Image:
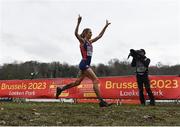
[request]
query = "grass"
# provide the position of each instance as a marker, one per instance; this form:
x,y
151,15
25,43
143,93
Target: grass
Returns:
x,y
66,114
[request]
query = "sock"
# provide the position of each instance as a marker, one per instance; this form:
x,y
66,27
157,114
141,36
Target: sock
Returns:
x,y
100,99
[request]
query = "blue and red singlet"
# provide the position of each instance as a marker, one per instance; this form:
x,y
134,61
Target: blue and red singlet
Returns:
x,y
86,52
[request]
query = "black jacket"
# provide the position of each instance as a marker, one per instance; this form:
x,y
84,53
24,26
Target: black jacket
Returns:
x,y
141,64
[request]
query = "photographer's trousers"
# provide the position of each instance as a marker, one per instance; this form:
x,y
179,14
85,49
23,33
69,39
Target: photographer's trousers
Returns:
x,y
143,80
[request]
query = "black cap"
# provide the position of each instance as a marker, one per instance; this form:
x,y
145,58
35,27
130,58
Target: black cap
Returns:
x,y
143,51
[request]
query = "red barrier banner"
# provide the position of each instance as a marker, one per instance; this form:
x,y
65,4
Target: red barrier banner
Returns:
x,y
27,88
163,87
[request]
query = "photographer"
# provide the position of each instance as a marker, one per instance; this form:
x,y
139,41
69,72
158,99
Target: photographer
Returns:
x,y
141,62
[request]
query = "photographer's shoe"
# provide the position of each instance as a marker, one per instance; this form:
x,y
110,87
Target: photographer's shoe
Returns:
x,y
152,103
58,92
